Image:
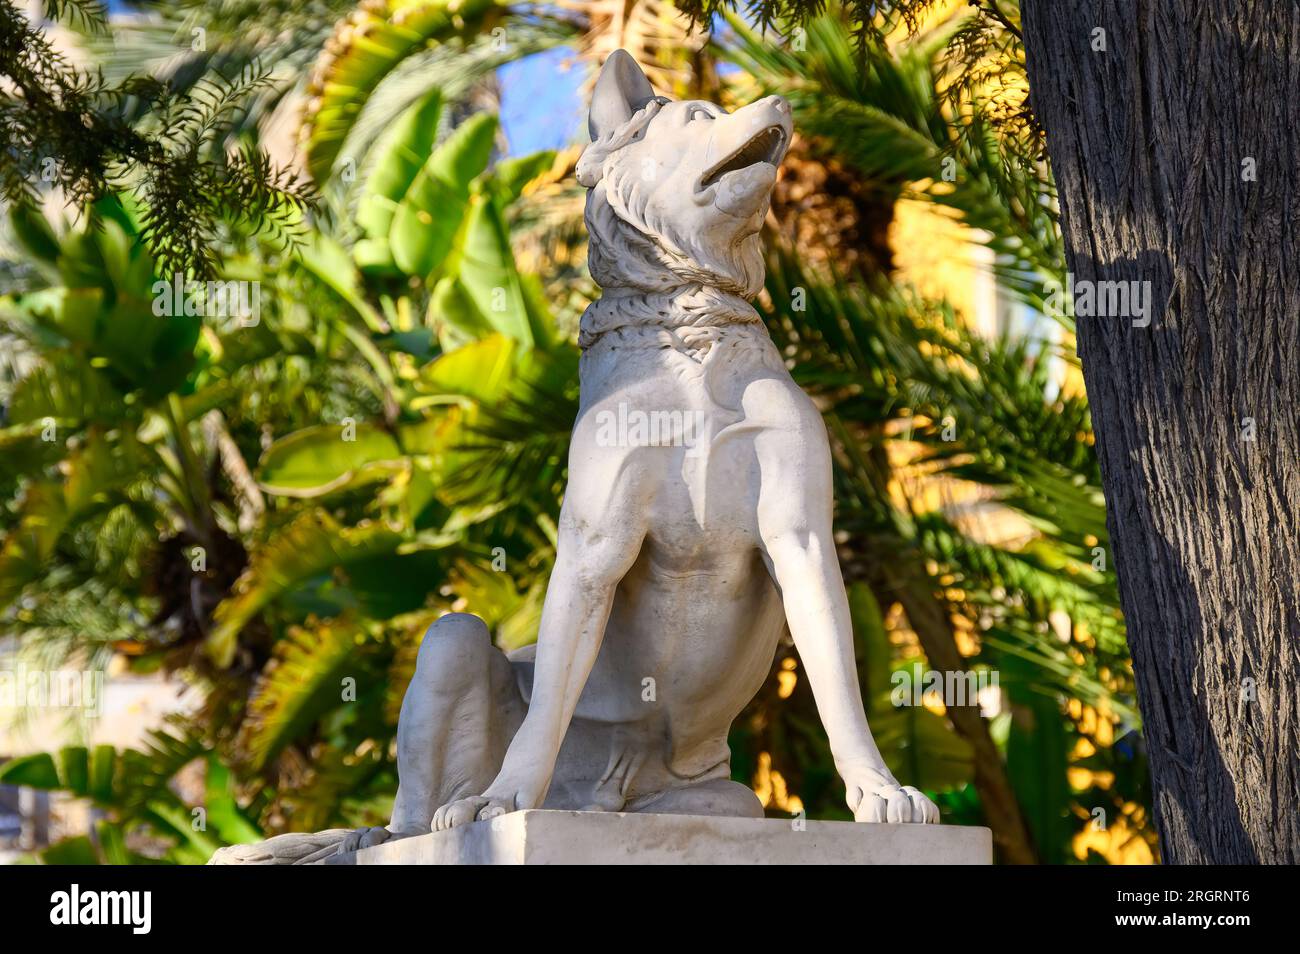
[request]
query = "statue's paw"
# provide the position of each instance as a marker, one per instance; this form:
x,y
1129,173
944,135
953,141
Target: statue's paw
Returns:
x,y
876,796
369,837
364,838
465,810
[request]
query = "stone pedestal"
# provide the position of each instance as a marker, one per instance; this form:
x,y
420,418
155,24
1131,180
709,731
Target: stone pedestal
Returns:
x,y
604,838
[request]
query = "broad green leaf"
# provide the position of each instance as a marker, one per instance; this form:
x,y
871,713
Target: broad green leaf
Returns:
x,y
429,215
224,815
127,264
481,370
73,313
486,270
330,263
538,308
136,347
155,353
511,175
374,257
34,771
454,316
322,459
34,233
402,153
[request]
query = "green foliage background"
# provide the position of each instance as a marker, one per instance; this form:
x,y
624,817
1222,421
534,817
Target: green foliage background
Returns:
x,y
276,512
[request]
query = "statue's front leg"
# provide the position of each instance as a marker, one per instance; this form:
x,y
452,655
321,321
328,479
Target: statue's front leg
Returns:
x,y
602,526
795,526
578,601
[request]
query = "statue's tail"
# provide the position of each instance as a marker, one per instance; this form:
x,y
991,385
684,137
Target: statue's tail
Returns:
x,y
315,848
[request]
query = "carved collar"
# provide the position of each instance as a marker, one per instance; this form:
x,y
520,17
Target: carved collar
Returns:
x,y
687,306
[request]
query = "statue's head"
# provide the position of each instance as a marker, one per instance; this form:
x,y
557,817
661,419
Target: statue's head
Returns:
x,y
679,190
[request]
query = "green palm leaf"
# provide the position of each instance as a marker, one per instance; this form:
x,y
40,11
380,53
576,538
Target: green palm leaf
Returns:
x,y
303,681
312,544
365,48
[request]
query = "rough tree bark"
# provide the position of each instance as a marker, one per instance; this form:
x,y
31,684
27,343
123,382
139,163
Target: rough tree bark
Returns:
x,y
1176,151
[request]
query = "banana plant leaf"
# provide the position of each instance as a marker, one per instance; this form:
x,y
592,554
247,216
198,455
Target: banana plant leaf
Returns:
x,y
429,215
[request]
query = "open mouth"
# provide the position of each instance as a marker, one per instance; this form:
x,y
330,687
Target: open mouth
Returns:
x,y
765,146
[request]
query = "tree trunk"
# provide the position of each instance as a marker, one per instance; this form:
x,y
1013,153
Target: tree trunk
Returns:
x,y
1175,150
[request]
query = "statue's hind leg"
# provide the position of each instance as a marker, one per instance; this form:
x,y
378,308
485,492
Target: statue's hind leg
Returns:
x,y
719,796
458,716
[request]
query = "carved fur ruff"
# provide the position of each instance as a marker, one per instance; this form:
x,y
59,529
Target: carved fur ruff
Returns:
x,y
655,272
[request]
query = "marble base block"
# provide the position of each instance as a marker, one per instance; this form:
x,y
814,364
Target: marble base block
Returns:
x,y
606,838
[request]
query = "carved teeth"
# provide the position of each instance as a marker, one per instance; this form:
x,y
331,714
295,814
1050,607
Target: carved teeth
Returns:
x,y
765,146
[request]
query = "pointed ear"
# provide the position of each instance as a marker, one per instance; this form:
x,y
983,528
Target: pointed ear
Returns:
x,y
621,89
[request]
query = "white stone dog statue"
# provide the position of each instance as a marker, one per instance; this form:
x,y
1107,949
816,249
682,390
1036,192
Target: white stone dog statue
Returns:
x,y
696,526
685,549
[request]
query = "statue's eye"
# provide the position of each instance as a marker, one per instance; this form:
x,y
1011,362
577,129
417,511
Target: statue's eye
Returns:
x,y
698,113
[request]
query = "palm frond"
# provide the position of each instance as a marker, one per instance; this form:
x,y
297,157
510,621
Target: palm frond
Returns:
x,y
885,116
303,680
